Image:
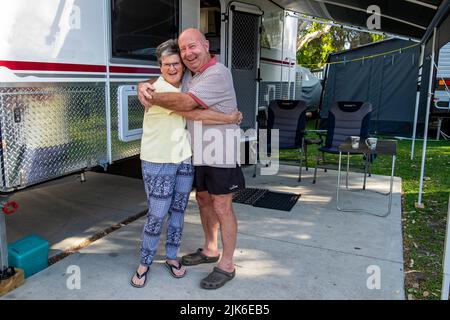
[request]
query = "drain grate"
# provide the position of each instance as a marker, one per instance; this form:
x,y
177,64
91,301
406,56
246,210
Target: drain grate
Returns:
x,y
263,198
248,195
277,200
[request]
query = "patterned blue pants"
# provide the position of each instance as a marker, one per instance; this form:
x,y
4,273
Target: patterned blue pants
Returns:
x,y
168,186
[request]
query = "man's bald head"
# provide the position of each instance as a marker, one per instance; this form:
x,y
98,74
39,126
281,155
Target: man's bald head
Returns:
x,y
194,49
192,33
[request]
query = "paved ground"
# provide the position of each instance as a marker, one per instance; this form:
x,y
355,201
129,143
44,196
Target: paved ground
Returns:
x,y
66,212
312,252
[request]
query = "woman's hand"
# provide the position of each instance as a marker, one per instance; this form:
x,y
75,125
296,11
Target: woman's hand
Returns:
x,y
236,117
145,91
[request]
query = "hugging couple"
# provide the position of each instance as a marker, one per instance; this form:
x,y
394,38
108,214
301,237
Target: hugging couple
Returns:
x,y
193,86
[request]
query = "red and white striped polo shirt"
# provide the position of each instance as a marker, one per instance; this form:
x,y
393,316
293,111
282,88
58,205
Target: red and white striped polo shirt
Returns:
x,y
212,88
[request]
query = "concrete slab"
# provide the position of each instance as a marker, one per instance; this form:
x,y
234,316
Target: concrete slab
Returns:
x,y
66,212
312,252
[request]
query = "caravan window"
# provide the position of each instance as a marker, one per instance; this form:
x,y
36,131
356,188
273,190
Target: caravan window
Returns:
x,y
210,23
139,26
272,30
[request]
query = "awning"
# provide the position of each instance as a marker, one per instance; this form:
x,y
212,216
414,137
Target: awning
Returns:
x,y
408,18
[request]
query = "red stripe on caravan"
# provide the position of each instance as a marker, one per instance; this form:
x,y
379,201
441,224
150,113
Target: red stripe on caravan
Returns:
x,y
116,69
276,61
48,66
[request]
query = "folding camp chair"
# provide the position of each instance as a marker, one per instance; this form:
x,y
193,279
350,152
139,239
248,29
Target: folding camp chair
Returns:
x,y
289,117
345,119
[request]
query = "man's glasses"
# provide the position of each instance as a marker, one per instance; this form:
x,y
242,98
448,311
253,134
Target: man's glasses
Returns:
x,y
168,65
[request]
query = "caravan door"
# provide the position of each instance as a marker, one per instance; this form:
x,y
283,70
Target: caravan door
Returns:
x,y
243,58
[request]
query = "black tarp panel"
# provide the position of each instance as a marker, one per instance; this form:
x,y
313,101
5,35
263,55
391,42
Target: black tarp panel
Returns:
x,y
424,88
412,19
444,32
389,82
442,25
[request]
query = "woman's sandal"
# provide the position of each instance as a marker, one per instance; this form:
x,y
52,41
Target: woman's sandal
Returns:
x,y
170,267
140,276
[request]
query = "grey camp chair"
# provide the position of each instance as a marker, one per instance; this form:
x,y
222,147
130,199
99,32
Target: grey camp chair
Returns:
x,y
345,119
289,117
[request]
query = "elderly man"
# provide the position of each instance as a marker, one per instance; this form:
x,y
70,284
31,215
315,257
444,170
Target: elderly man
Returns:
x,y
208,85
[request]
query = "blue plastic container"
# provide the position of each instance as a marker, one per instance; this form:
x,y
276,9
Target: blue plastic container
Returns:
x,y
29,254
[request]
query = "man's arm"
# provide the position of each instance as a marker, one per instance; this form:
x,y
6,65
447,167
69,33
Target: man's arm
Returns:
x,y
174,101
211,117
170,100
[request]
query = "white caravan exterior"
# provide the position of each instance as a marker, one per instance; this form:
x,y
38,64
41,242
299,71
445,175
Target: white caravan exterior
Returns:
x,y
69,69
442,92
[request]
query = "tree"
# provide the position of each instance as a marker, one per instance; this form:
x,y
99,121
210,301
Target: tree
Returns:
x,y
316,41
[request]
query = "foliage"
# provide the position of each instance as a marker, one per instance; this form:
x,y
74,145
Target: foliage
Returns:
x,y
313,54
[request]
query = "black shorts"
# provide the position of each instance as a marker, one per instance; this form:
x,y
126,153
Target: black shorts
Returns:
x,y
218,181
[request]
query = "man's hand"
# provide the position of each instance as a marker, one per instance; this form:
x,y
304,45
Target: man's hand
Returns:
x,y
145,94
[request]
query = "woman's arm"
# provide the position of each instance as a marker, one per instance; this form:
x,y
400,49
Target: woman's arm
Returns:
x,y
211,117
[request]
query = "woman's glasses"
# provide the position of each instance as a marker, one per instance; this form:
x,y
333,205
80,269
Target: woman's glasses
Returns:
x,y
174,64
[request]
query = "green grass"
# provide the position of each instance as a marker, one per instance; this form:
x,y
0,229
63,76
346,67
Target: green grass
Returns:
x,y
423,229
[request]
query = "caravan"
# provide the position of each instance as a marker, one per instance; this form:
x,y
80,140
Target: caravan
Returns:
x,y
441,107
69,69
442,92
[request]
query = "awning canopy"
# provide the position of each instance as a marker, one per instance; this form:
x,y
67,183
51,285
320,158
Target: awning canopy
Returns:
x,y
408,18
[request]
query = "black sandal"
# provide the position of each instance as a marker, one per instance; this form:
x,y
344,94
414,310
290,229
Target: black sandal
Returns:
x,y
140,276
198,257
170,267
217,278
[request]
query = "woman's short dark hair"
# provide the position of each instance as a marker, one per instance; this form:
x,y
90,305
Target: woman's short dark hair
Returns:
x,y
167,48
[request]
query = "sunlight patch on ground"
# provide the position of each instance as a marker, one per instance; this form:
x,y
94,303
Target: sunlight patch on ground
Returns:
x,y
303,237
247,258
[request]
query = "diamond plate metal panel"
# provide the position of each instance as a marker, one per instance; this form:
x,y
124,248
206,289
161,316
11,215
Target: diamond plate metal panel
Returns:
x,y
122,150
50,131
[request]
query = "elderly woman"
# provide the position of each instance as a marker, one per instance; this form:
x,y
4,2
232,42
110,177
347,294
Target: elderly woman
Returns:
x,y
166,166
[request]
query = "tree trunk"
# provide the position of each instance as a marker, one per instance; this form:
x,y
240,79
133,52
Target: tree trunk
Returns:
x,y
302,41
